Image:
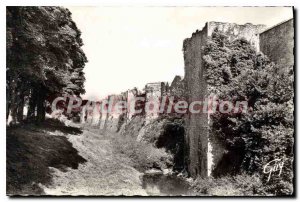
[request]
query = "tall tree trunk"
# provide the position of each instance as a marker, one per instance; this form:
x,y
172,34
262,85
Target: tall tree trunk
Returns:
x,y
14,99
7,101
13,75
32,104
41,102
20,109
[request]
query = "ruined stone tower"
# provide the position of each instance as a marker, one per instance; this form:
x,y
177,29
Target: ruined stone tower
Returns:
x,y
199,144
277,43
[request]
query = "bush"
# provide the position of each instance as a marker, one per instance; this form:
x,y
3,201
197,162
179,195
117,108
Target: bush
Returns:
x,y
142,155
239,185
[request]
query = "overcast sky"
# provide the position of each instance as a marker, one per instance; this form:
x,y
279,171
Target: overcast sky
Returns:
x,y
130,46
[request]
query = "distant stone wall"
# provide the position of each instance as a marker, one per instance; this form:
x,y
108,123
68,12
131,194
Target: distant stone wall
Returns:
x,y
116,117
131,95
177,87
154,93
278,44
98,115
89,113
104,114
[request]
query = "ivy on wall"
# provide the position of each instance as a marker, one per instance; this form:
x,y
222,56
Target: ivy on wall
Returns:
x,y
236,72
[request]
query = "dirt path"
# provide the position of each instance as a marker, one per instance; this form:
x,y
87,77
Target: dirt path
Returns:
x,y
104,173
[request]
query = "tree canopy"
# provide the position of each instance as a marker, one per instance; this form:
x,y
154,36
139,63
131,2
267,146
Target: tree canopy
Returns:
x,y
44,58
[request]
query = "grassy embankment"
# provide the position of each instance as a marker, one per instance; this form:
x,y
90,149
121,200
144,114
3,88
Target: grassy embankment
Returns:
x,y
31,149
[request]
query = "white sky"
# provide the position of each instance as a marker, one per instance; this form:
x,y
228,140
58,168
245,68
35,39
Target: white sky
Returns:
x,y
130,46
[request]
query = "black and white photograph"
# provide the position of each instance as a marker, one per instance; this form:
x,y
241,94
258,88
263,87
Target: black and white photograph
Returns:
x,y
141,101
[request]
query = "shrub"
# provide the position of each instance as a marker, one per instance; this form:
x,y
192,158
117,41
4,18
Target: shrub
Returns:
x,y
239,185
142,155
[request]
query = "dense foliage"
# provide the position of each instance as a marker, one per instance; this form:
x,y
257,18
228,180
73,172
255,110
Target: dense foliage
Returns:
x,y
142,155
238,185
44,59
236,72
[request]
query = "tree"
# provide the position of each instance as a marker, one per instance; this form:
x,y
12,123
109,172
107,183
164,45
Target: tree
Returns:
x,y
44,58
